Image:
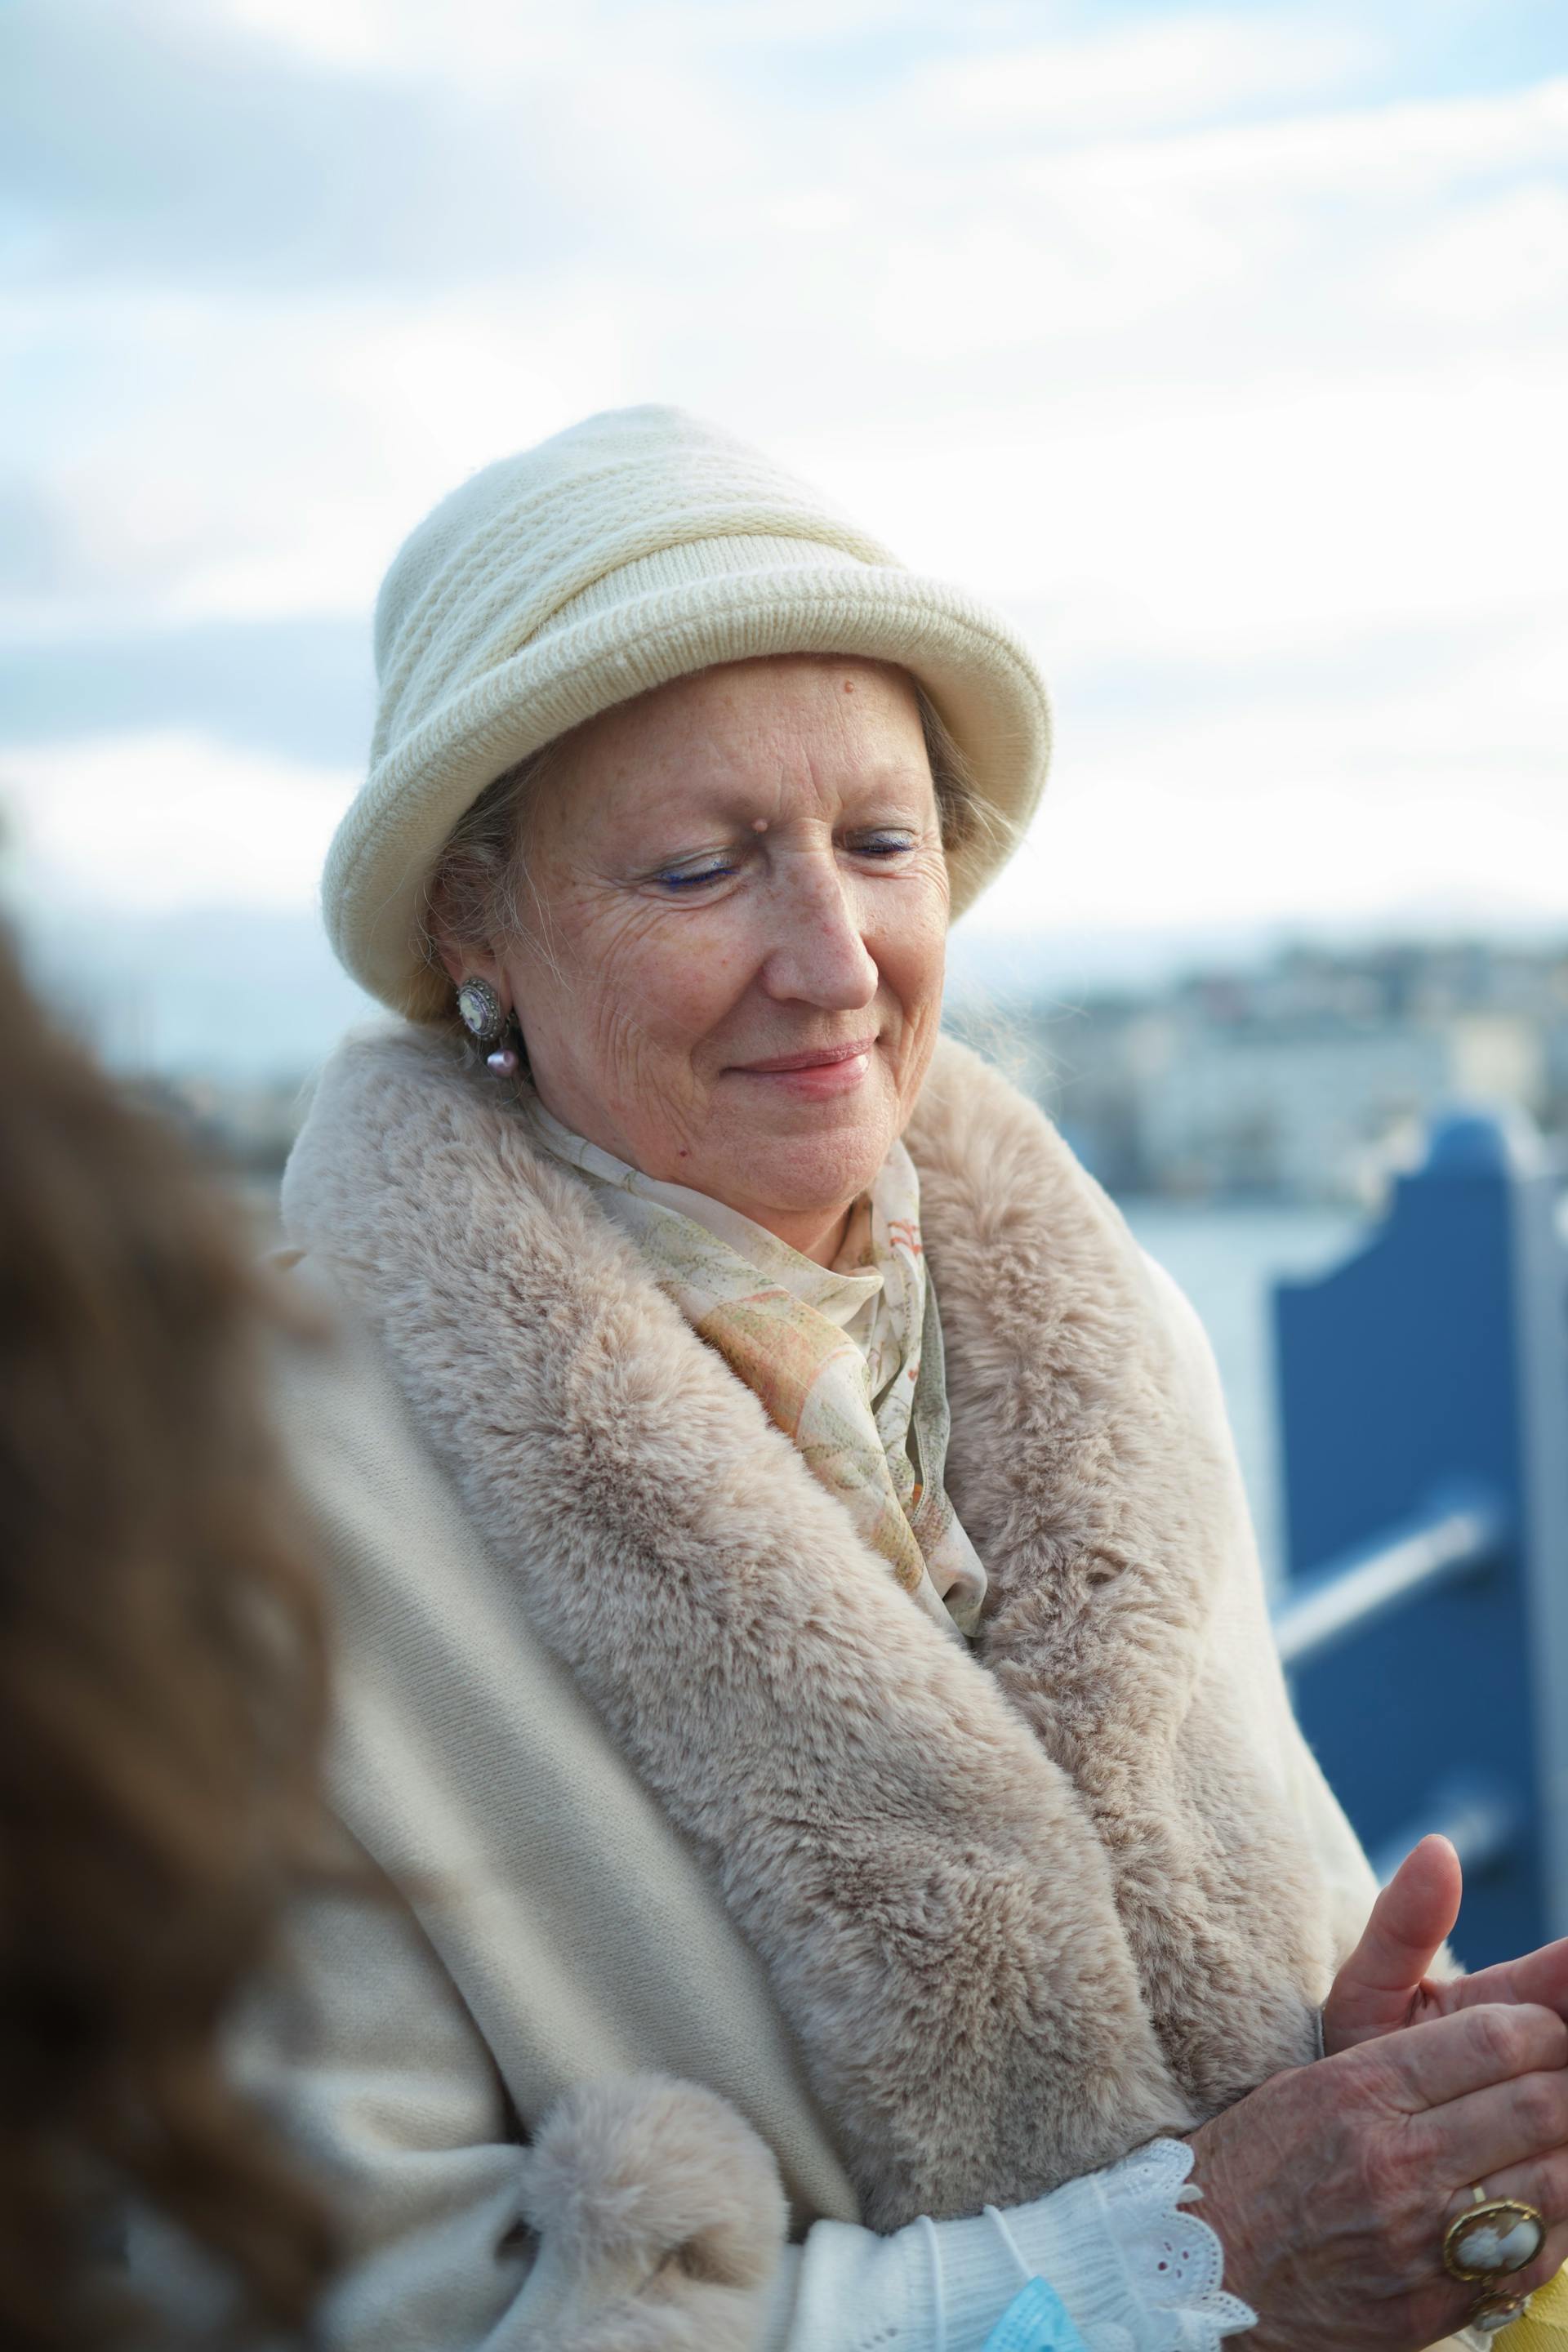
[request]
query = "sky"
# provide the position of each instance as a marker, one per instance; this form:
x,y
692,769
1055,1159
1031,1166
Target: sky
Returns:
x,y
1224,348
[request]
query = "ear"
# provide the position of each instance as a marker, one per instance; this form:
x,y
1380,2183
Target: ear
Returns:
x,y
464,960
471,963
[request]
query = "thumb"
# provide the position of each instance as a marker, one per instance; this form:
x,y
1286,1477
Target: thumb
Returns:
x,y
1374,1991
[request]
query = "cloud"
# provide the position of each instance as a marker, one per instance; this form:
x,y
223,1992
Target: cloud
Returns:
x,y
1153,76
301,689
160,821
270,145
158,144
481,42
1504,260
248,993
1131,323
1236,378
1362,503
265,457
39,554
1392,772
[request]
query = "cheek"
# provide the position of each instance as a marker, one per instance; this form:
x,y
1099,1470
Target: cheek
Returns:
x,y
660,985
912,958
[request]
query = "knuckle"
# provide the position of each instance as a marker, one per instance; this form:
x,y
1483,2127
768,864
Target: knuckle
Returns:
x,y
1422,2148
1500,2036
1494,2033
1537,2106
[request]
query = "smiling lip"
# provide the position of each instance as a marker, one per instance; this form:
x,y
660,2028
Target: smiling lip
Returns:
x,y
782,1064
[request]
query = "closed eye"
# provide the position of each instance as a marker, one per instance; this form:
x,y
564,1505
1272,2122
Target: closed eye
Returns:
x,y
884,845
677,878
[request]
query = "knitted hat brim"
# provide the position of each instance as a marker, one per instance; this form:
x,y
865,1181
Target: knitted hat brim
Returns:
x,y
977,674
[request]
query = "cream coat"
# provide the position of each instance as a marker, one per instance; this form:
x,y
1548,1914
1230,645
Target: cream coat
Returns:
x,y
672,1776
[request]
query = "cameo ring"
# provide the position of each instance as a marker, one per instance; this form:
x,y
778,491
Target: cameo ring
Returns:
x,y
1493,2237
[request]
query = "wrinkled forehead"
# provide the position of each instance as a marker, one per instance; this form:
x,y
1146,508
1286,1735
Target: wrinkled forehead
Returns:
x,y
774,693
775,722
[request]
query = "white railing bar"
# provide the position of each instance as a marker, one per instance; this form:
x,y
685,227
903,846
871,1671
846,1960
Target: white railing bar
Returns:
x,y
1447,1545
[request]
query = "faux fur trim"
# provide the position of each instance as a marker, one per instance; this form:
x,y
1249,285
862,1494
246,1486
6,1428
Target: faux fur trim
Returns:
x,y
661,2219
1096,1498
1022,1910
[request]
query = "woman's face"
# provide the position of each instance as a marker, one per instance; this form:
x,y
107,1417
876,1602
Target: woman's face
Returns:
x,y
732,977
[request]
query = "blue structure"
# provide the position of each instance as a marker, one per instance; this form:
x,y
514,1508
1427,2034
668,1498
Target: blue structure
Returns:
x,y
1424,1406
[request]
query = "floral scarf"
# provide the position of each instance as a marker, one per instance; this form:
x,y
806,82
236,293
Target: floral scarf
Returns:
x,y
847,1358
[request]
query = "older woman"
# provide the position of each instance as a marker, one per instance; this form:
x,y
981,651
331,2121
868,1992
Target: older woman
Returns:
x,y
804,1675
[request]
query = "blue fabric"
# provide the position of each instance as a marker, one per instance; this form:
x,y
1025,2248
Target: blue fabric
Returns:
x,y
1037,2320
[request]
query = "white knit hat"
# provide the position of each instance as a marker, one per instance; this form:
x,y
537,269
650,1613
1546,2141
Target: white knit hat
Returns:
x,y
639,546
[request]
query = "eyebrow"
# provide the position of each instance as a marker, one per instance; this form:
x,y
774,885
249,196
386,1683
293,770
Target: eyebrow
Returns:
x,y
902,777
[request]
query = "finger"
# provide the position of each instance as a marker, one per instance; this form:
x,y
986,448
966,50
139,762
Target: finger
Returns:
x,y
1450,2057
1520,2122
1541,1977
1542,2183
1374,1989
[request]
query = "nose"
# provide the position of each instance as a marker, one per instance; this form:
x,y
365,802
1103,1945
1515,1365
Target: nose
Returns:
x,y
817,954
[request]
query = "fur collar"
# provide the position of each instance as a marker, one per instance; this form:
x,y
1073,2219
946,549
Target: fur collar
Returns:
x,y
1023,1909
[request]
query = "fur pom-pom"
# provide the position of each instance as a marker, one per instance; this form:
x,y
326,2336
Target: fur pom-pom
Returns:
x,y
660,2217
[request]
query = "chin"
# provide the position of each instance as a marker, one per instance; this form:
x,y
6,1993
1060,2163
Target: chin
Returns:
x,y
802,1173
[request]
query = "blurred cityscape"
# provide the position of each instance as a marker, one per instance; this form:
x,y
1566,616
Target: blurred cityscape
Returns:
x,y
1306,1078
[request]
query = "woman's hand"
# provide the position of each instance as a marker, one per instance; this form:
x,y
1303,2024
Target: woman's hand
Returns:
x,y
1331,2185
1383,1985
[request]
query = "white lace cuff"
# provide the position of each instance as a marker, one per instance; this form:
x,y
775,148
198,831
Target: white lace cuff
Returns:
x,y
1136,2269
1174,2259
1129,2257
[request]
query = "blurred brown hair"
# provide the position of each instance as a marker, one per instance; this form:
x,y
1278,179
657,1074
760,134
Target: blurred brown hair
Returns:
x,y
160,1701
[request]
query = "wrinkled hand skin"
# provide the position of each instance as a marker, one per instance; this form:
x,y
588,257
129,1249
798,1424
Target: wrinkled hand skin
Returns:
x,y
1331,2185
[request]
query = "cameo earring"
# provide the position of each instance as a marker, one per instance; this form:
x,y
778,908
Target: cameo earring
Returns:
x,y
481,1013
